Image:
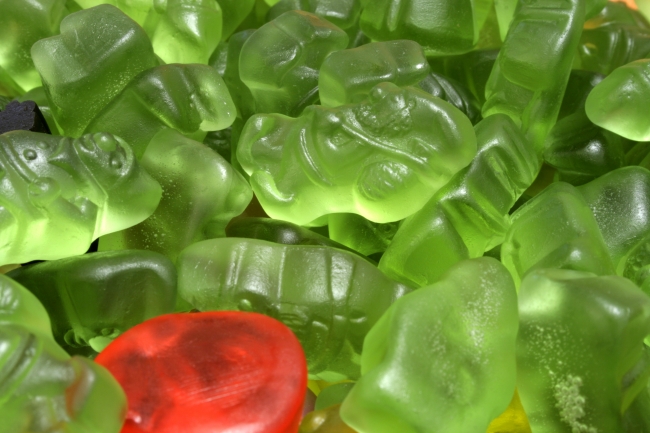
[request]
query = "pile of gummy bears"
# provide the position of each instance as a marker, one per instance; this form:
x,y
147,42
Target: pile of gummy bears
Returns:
x,y
324,216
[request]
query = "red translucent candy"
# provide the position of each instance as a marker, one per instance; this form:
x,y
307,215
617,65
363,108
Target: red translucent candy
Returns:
x,y
223,371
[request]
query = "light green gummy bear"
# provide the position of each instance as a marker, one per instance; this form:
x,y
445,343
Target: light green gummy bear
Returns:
x,y
347,76
556,229
98,52
441,359
531,72
580,360
382,158
234,13
58,194
21,24
184,31
342,13
469,215
181,31
330,298
620,102
193,99
42,389
201,194
280,61
442,27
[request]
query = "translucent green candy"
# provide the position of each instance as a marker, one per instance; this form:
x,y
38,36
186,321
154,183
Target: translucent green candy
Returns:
x,y
619,35
360,234
201,194
98,52
441,359
330,298
620,102
234,12
382,158
580,351
442,27
531,72
181,31
184,31
191,99
280,61
58,194
93,298
453,92
556,229
342,13
348,76
43,389
469,215
21,24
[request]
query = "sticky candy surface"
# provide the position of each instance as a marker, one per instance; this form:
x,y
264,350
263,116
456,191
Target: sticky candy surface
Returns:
x,y
215,371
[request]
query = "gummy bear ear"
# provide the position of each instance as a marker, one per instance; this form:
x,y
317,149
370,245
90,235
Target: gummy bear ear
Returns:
x,y
382,181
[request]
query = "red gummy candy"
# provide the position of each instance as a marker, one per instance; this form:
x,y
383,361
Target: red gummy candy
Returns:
x,y
222,371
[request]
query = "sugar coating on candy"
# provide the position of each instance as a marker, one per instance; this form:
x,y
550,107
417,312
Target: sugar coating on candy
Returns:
x,y
207,372
24,116
440,358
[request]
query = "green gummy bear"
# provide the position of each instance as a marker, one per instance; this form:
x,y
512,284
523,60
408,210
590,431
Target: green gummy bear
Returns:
x,y
58,194
137,10
93,298
43,389
620,202
471,70
579,150
342,13
360,234
21,24
453,92
192,99
241,94
184,31
330,298
38,95
97,53
531,72
348,76
382,158
469,215
201,194
556,229
280,232
620,102
442,27
234,13
181,31
441,359
580,351
280,61
612,39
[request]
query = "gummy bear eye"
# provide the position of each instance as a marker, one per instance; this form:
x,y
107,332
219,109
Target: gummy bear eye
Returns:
x,y
116,161
30,154
105,142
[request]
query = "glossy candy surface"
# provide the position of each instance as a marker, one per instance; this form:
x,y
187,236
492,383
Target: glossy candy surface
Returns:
x,y
381,158
93,298
441,358
69,191
215,371
329,298
42,388
191,209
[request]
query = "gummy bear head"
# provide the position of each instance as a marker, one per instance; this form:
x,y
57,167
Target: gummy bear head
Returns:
x,y
131,194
